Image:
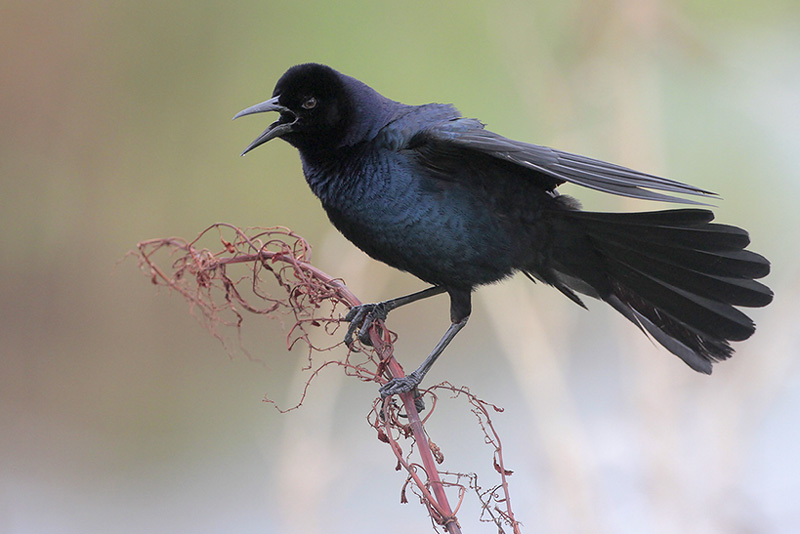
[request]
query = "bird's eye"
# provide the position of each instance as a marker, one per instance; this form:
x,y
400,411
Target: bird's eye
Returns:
x,y
310,103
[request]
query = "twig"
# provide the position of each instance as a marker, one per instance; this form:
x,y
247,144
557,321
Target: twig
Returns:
x,y
200,275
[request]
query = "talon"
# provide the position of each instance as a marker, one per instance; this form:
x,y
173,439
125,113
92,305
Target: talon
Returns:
x,y
361,318
363,332
355,317
353,313
403,384
419,402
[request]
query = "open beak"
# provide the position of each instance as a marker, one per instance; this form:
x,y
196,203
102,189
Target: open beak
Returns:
x,y
276,129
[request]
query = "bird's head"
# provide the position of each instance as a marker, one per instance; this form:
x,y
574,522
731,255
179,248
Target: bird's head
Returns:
x,y
314,108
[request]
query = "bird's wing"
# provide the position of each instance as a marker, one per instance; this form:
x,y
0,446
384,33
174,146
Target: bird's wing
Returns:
x,y
464,138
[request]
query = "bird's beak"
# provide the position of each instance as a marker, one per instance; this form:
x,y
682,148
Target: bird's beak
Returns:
x,y
276,129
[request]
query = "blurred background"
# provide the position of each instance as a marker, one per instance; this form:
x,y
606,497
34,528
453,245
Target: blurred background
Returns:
x,y
120,413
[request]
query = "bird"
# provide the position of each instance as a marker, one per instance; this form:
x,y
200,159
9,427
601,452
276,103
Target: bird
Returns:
x,y
435,194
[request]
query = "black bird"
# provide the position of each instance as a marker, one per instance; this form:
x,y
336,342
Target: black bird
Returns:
x,y
430,192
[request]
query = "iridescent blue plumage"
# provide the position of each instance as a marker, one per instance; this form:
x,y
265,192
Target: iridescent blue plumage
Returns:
x,y
437,195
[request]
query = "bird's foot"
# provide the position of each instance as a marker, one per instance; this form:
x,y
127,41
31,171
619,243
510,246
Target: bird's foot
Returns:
x,y
404,384
361,318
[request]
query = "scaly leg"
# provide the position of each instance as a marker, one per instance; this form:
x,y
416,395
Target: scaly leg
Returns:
x,y
412,380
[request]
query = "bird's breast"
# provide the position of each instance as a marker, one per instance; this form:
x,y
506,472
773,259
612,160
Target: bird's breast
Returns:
x,y
398,216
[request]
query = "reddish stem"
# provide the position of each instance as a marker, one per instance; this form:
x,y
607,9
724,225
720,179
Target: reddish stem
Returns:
x,y
440,504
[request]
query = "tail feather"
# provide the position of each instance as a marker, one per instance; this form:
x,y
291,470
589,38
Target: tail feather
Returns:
x,y
718,319
671,342
738,264
721,283
673,273
709,237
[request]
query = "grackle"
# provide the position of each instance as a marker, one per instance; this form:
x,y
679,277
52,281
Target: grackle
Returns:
x,y
430,192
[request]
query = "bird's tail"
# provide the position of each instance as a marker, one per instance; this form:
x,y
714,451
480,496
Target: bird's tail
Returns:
x,y
674,274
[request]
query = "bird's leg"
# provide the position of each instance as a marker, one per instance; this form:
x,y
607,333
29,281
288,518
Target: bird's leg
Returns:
x,y
412,380
361,317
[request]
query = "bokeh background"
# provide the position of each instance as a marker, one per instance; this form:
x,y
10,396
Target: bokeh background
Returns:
x,y
120,413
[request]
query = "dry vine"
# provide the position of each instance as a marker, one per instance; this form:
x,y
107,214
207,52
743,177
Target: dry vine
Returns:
x,y
218,298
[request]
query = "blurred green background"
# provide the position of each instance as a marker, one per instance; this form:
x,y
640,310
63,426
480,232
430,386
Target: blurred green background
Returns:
x,y
119,413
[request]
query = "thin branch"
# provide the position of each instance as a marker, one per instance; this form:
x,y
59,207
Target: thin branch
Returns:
x,y
206,280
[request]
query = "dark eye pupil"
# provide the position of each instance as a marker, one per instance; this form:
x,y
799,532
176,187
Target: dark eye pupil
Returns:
x,y
310,103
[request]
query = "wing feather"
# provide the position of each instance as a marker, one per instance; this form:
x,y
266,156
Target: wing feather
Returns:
x,y
458,138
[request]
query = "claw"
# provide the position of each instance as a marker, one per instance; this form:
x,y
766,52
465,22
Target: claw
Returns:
x,y
355,317
404,385
419,402
361,318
